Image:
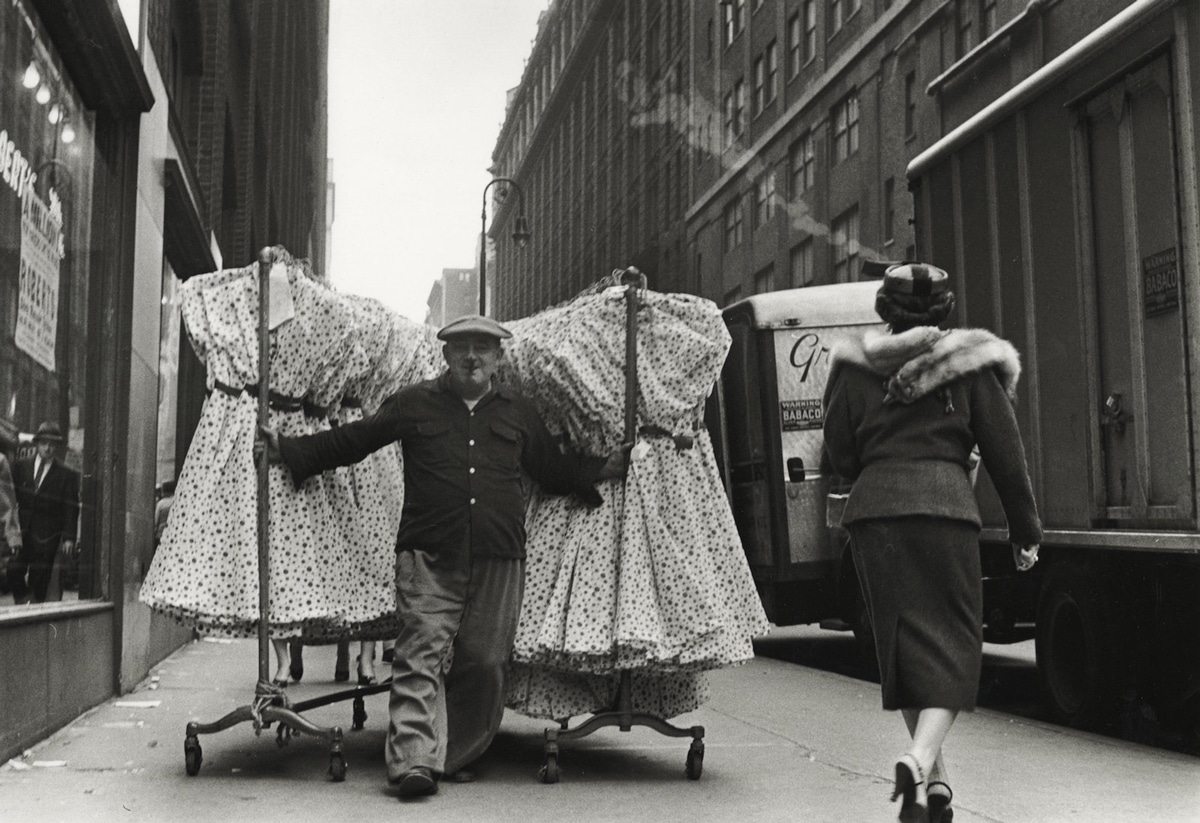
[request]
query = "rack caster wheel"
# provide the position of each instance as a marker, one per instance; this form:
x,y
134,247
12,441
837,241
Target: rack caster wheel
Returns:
x,y
360,715
337,767
192,756
548,773
695,760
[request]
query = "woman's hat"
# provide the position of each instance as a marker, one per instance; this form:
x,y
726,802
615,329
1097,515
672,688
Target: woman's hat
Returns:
x,y
917,279
49,431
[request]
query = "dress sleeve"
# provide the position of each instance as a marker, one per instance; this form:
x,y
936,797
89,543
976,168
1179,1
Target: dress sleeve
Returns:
x,y
994,425
344,445
840,427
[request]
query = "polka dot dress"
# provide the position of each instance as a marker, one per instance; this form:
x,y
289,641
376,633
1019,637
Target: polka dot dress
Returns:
x,y
655,580
205,572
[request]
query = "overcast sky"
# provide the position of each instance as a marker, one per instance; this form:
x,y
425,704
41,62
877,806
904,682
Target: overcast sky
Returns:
x,y
416,98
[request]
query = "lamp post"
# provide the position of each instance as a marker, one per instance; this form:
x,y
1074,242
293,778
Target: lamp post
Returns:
x,y
520,233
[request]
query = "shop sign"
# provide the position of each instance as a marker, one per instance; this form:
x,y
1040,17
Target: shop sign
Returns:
x,y
41,255
1161,275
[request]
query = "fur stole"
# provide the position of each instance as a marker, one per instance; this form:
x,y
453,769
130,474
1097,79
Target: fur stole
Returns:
x,y
925,359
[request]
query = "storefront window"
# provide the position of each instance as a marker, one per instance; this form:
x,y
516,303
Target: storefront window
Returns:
x,y
47,156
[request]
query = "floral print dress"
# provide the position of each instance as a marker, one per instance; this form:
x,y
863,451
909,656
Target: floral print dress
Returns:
x,y
655,580
205,571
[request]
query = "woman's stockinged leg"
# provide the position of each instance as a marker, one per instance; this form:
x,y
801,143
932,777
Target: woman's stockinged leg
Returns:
x,y
928,750
928,729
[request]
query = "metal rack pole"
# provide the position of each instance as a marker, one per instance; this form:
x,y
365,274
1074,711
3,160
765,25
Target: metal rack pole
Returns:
x,y
266,259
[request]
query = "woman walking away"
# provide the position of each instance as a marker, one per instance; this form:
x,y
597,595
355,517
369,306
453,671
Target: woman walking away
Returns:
x,y
903,412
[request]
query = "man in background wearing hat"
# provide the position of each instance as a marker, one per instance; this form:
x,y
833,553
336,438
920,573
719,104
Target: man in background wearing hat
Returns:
x,y
460,567
48,504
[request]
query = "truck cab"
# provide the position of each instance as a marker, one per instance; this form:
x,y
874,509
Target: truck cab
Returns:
x,y
770,415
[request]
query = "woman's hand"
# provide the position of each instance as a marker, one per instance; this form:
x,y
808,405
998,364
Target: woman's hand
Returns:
x,y
1025,556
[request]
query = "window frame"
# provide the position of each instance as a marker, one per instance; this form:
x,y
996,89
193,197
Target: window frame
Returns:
x,y
844,249
802,176
764,198
844,131
795,49
802,251
733,220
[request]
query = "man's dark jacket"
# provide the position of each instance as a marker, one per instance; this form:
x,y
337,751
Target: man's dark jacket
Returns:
x,y
462,467
50,513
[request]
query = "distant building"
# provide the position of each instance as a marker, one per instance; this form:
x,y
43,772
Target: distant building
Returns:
x,y
453,295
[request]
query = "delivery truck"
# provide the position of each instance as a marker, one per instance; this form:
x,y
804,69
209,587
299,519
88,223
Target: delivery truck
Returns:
x,y
1067,210
768,419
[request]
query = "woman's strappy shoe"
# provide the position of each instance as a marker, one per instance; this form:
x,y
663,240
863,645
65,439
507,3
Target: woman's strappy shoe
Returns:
x,y
939,802
910,777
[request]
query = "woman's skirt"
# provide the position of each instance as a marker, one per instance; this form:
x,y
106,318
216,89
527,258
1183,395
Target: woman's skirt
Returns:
x,y
923,589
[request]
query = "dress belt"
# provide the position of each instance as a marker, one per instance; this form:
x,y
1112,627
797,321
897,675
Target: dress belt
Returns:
x,y
277,401
682,441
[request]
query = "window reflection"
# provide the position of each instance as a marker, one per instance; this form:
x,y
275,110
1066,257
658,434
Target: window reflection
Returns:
x,y
46,182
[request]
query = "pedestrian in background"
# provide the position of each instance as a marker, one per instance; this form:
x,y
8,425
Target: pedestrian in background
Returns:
x,y
460,567
8,519
48,502
903,411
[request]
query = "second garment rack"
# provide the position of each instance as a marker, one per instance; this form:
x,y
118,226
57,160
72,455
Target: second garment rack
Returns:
x,y
622,714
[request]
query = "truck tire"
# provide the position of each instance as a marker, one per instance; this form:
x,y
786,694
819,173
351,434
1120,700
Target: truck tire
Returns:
x,y
1076,656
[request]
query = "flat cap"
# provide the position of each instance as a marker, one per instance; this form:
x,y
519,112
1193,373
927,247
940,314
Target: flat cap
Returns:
x,y
473,324
917,279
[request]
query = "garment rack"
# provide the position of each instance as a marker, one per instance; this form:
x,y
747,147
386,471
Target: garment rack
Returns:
x,y
622,714
270,703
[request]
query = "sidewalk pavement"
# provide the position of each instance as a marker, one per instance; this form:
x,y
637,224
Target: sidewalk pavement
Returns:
x,y
783,742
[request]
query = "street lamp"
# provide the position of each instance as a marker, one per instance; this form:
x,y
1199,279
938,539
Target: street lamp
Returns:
x,y
520,234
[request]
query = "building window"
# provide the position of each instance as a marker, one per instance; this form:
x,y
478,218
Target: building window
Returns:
x,y
801,165
810,29
889,209
735,19
987,19
736,121
845,127
760,79
772,85
727,116
52,265
910,104
843,236
794,46
964,35
801,264
840,11
733,224
764,281
764,199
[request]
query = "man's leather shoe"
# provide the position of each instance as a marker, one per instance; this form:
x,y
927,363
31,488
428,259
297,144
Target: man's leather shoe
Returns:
x,y
417,782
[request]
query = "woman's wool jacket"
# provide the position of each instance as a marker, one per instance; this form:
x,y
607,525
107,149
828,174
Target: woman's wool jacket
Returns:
x,y
903,413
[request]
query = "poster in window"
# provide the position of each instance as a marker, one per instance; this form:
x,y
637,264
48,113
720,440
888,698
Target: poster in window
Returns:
x,y
41,255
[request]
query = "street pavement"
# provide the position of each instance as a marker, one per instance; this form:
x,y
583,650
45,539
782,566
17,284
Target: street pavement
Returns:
x,y
783,743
